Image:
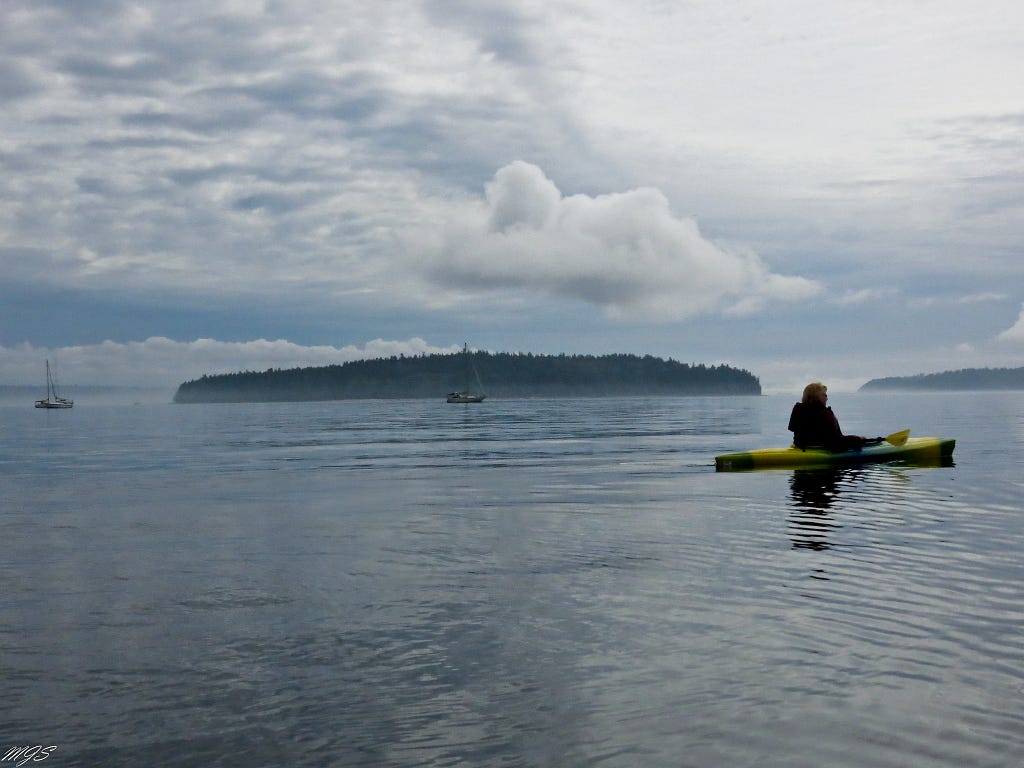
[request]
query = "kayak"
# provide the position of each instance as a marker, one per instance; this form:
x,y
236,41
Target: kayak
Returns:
x,y
917,450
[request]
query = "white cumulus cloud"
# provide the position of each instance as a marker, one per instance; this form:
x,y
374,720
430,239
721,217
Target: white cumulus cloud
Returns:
x,y
624,252
1015,333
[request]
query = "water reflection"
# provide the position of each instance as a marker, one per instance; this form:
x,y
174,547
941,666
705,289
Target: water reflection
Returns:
x,y
812,494
815,492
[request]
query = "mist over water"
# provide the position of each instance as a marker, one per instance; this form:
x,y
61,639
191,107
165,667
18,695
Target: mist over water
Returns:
x,y
522,582
15,396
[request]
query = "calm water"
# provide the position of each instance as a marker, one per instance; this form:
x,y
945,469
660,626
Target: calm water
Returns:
x,y
522,583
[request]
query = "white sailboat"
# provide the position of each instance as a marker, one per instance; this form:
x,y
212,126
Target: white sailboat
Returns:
x,y
465,396
52,400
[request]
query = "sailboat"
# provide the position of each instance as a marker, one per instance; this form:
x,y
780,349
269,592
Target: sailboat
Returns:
x,y
465,396
52,400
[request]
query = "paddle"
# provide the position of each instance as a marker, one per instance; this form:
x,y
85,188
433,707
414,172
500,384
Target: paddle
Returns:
x,y
898,438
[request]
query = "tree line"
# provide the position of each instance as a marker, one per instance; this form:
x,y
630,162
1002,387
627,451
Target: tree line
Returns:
x,y
965,379
500,374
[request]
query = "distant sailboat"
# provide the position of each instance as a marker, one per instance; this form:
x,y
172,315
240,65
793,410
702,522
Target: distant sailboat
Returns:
x,y
465,396
52,400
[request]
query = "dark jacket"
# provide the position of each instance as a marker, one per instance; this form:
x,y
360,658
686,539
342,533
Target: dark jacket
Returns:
x,y
815,426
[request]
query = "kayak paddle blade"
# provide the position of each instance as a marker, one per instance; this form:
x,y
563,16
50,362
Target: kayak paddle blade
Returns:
x,y
898,438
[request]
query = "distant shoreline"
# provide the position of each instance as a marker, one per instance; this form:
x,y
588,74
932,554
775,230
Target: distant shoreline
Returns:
x,y
963,380
495,374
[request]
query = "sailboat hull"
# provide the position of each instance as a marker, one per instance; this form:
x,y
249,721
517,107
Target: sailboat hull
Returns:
x,y
55,403
456,398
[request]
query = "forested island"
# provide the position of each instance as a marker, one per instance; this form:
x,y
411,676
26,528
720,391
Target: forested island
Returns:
x,y
500,375
966,379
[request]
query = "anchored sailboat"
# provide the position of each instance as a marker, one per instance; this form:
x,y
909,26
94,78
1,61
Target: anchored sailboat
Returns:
x,y
465,396
52,400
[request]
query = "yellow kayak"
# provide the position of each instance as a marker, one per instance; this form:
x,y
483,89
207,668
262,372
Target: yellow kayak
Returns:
x,y
917,450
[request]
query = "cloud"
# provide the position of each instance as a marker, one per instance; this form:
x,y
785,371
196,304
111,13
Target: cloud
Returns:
x,y
163,362
1015,333
625,252
864,296
499,29
16,81
241,153
982,298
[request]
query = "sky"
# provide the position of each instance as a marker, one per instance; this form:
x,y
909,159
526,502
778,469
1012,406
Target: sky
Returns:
x,y
807,190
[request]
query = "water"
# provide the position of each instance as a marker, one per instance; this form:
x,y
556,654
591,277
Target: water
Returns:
x,y
518,583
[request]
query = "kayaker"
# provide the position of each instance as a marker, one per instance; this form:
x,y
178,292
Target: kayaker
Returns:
x,y
815,426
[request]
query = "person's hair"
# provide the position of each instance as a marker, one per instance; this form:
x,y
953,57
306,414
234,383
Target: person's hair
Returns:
x,y
813,392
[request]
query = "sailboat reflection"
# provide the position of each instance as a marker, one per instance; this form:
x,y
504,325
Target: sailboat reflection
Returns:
x,y
812,493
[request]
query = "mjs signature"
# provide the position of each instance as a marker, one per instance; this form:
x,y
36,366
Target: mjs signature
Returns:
x,y
21,755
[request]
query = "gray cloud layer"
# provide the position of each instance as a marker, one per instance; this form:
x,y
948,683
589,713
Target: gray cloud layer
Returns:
x,y
442,158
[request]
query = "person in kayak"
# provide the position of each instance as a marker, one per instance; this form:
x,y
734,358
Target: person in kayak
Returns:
x,y
815,426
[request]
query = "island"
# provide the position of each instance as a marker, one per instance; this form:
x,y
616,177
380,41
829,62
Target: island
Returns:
x,y
501,374
963,380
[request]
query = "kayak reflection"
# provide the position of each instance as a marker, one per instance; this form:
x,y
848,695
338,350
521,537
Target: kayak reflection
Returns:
x,y
812,494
